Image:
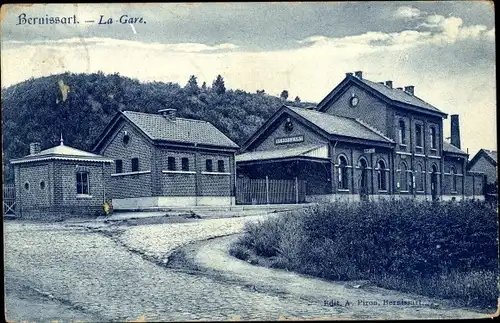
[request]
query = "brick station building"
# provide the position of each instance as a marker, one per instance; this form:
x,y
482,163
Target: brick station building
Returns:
x,y
364,140
162,160
60,182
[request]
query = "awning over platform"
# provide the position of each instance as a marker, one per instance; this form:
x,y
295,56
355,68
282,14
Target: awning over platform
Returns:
x,y
308,151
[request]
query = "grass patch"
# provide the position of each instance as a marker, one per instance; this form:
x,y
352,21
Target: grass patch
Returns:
x,y
447,250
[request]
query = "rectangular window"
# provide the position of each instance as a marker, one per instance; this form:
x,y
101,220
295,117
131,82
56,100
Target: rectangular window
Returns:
x,y
433,138
402,132
82,183
119,166
135,164
418,135
220,166
208,165
171,163
185,164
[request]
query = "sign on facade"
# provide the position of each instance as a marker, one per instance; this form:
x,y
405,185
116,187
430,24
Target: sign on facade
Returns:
x,y
288,140
369,151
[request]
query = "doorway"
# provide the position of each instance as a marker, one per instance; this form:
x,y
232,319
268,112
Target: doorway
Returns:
x,y
434,183
363,182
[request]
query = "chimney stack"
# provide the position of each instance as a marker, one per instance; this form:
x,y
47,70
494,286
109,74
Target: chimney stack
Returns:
x,y
359,74
34,148
410,89
169,114
348,74
455,131
388,84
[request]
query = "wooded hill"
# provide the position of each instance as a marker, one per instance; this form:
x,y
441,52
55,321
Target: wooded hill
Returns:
x,y
80,105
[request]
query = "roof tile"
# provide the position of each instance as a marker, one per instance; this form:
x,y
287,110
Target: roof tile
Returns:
x,y
157,127
400,95
342,126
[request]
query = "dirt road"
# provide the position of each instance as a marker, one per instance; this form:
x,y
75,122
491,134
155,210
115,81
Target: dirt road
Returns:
x,y
117,272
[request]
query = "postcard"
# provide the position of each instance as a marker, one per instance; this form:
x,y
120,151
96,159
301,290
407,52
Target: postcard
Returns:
x,y
249,161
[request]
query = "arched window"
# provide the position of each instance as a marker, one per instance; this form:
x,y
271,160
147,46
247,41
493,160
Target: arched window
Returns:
x,y
433,138
343,183
403,177
402,132
419,178
381,176
453,172
363,185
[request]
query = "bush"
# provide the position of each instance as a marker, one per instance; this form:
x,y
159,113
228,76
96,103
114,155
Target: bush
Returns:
x,y
446,249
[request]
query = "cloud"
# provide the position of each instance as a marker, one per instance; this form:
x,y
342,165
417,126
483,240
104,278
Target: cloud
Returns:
x,y
452,66
407,12
99,41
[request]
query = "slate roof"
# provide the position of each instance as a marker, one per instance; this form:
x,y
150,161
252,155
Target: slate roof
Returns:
x,y
157,127
62,152
277,153
341,126
491,153
447,147
393,94
400,95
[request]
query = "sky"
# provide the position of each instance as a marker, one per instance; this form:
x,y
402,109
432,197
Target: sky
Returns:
x,y
445,49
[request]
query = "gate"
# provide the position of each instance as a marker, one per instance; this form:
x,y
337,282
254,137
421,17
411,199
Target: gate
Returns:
x,y
9,199
270,191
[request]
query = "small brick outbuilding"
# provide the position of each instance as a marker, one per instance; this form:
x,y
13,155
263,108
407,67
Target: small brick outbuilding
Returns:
x,y
59,182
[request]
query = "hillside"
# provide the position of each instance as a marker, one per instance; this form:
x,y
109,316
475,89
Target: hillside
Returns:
x,y
35,110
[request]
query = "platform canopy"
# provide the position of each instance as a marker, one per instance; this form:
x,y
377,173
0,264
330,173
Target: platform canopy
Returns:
x,y
310,152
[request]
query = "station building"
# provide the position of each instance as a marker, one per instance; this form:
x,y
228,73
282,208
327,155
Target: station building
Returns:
x,y
364,140
161,160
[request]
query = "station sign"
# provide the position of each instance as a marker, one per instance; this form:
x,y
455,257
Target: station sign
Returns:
x,y
288,140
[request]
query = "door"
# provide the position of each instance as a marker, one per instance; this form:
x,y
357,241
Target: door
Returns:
x,y
434,184
363,185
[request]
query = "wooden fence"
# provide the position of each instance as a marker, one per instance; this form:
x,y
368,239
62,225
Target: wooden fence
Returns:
x,y
270,191
9,199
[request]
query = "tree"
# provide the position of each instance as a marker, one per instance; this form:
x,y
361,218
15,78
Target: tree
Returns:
x,y
284,95
218,85
192,86
261,92
204,86
297,99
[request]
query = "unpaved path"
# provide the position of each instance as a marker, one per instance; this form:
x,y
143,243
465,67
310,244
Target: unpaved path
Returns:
x,y
365,302
118,272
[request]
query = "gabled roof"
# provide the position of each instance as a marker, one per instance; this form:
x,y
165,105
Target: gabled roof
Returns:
x,y
62,152
341,126
394,95
489,155
159,128
326,124
300,151
449,148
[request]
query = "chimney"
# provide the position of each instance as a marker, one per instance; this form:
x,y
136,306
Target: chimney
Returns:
x,y
359,74
388,84
169,114
348,74
410,89
34,148
455,131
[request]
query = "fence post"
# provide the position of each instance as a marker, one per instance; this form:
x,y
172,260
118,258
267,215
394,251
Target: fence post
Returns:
x,y
296,190
267,189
